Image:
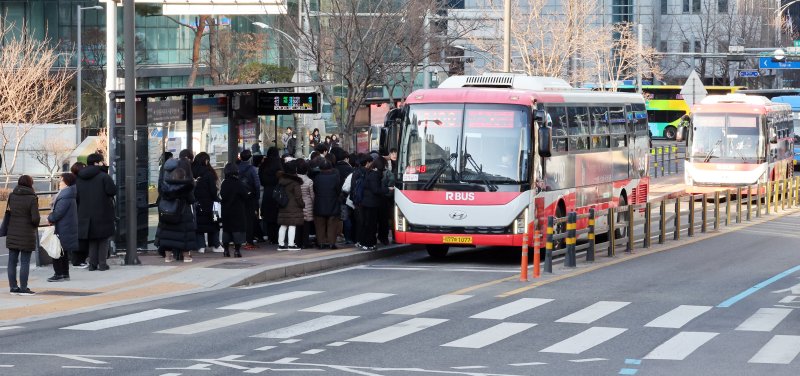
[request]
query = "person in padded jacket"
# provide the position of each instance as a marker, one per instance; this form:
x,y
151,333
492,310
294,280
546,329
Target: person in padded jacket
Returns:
x,y
23,212
327,212
290,216
178,237
96,191
206,192
64,217
374,194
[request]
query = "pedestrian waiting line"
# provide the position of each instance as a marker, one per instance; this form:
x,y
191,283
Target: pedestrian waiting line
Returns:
x,y
658,221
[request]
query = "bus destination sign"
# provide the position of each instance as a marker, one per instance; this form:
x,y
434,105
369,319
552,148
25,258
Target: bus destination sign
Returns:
x,y
288,103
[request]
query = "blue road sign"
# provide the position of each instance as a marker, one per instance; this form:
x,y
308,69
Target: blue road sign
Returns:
x,y
748,73
767,63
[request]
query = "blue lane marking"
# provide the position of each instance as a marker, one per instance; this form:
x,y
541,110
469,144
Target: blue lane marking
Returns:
x,y
757,287
633,361
628,371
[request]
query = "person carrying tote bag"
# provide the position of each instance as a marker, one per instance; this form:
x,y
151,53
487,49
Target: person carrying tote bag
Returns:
x,y
23,223
64,217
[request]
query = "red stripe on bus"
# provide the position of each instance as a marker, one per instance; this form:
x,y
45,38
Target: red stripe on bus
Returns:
x,y
460,198
477,239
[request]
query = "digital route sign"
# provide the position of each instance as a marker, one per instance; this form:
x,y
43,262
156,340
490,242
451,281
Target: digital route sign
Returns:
x,y
288,103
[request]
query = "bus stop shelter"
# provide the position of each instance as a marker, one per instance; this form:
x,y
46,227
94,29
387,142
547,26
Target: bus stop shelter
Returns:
x,y
218,120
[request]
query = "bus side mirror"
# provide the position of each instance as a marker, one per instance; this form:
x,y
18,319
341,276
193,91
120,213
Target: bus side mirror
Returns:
x,y
682,133
773,138
545,141
539,116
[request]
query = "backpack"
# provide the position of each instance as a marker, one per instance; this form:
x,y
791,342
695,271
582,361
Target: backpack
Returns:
x,y
357,193
170,211
280,196
245,178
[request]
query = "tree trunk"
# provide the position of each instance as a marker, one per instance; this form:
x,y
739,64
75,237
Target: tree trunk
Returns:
x,y
198,39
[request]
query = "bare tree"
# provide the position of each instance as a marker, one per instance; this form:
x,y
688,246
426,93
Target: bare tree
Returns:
x,y
51,154
232,52
624,57
32,90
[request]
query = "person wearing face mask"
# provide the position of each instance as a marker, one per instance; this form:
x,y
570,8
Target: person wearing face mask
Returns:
x,y
64,217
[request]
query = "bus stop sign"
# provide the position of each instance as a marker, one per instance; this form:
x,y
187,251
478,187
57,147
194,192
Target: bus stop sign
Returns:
x,y
288,103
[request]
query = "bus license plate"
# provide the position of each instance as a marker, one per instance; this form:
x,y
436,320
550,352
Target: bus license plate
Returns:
x,y
457,239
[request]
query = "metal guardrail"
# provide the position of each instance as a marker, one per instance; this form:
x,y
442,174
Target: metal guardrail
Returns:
x,y
727,207
667,160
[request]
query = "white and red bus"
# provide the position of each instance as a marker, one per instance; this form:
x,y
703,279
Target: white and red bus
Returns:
x,y
738,140
476,153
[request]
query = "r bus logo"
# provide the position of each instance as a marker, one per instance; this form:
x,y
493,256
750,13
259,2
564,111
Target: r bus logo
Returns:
x,y
459,196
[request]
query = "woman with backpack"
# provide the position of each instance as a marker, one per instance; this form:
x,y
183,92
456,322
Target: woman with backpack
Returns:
x,y
327,211
374,194
234,197
176,222
268,173
206,193
290,202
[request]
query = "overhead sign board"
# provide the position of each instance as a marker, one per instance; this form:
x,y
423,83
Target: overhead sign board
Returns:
x,y
288,103
767,63
226,7
166,111
748,73
693,91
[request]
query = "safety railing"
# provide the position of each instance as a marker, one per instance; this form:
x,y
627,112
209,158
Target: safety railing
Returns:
x,y
641,225
666,160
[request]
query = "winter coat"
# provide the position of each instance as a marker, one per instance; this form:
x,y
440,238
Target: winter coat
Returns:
x,y
387,182
292,214
23,207
358,172
291,146
96,193
374,191
268,174
344,170
179,236
206,193
234,196
346,191
307,189
249,175
65,217
326,194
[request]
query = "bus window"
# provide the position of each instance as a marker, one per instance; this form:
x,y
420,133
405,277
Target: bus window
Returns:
x,y
578,128
616,117
558,120
599,120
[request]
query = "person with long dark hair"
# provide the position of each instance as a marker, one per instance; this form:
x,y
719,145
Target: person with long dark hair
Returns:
x,y
374,194
177,230
23,223
64,217
249,176
96,191
268,173
206,192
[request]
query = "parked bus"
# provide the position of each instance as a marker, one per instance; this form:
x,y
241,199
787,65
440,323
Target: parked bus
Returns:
x,y
665,106
738,140
481,157
794,101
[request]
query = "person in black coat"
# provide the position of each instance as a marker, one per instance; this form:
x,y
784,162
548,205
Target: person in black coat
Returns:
x,y
206,193
268,173
327,210
234,196
374,193
23,220
64,217
96,191
180,236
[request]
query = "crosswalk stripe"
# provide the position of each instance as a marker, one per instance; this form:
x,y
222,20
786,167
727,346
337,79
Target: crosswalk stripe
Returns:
x,y
428,305
340,304
126,319
779,350
221,322
489,336
765,319
257,303
306,327
680,346
507,310
584,340
397,330
593,312
678,317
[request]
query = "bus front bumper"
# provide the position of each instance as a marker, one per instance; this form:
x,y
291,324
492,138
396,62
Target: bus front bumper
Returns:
x,y
459,240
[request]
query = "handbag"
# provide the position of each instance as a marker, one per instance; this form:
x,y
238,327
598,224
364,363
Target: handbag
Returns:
x,y
49,241
217,210
6,218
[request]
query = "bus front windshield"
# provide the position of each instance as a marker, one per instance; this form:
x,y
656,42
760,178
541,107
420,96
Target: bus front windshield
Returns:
x,y
492,138
726,137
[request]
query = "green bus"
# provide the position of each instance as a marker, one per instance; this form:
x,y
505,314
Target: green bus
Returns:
x,y
665,106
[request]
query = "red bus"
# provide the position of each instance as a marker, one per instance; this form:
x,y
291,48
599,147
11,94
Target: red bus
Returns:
x,y
481,157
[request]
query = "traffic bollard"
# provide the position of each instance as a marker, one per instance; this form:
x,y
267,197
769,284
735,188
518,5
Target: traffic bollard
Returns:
x,y
629,226
569,259
758,200
612,229
749,202
775,197
768,198
669,161
655,162
661,152
548,256
727,207
523,264
704,217
676,235
716,210
739,205
648,216
590,251
662,222
536,254
690,230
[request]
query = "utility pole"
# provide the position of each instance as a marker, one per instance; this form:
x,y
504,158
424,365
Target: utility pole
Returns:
x,y
507,36
129,28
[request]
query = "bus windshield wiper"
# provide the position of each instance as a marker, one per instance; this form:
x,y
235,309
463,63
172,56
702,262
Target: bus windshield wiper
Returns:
x,y
481,174
439,171
711,152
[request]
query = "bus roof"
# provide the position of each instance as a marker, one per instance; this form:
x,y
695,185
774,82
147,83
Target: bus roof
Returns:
x,y
792,100
679,87
515,96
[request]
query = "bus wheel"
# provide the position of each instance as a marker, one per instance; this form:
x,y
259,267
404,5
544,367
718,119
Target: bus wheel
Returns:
x,y
670,133
621,227
437,251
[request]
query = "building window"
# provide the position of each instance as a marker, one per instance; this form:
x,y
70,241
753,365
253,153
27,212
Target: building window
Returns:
x,y
696,6
686,6
685,47
662,46
664,4
698,46
722,6
622,11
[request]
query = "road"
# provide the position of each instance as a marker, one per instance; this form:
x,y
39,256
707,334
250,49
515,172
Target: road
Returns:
x,y
677,312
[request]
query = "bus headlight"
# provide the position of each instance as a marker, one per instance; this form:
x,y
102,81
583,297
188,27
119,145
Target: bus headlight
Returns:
x,y
521,223
399,220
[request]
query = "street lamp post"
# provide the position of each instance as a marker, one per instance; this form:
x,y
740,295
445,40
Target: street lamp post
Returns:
x,y
78,74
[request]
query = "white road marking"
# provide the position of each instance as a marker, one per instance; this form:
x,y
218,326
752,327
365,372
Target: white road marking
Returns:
x,y
469,367
230,357
213,324
256,370
593,312
417,269
171,374
84,367
301,278
2,328
587,360
428,305
527,364
765,319
489,336
126,319
352,301
785,300
309,326
584,340
397,331
337,344
265,348
779,350
678,317
313,351
507,310
6,366
82,359
285,360
261,302
291,341
680,346
194,367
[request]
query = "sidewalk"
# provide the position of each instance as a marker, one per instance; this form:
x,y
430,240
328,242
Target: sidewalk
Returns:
x,y
155,279
670,186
